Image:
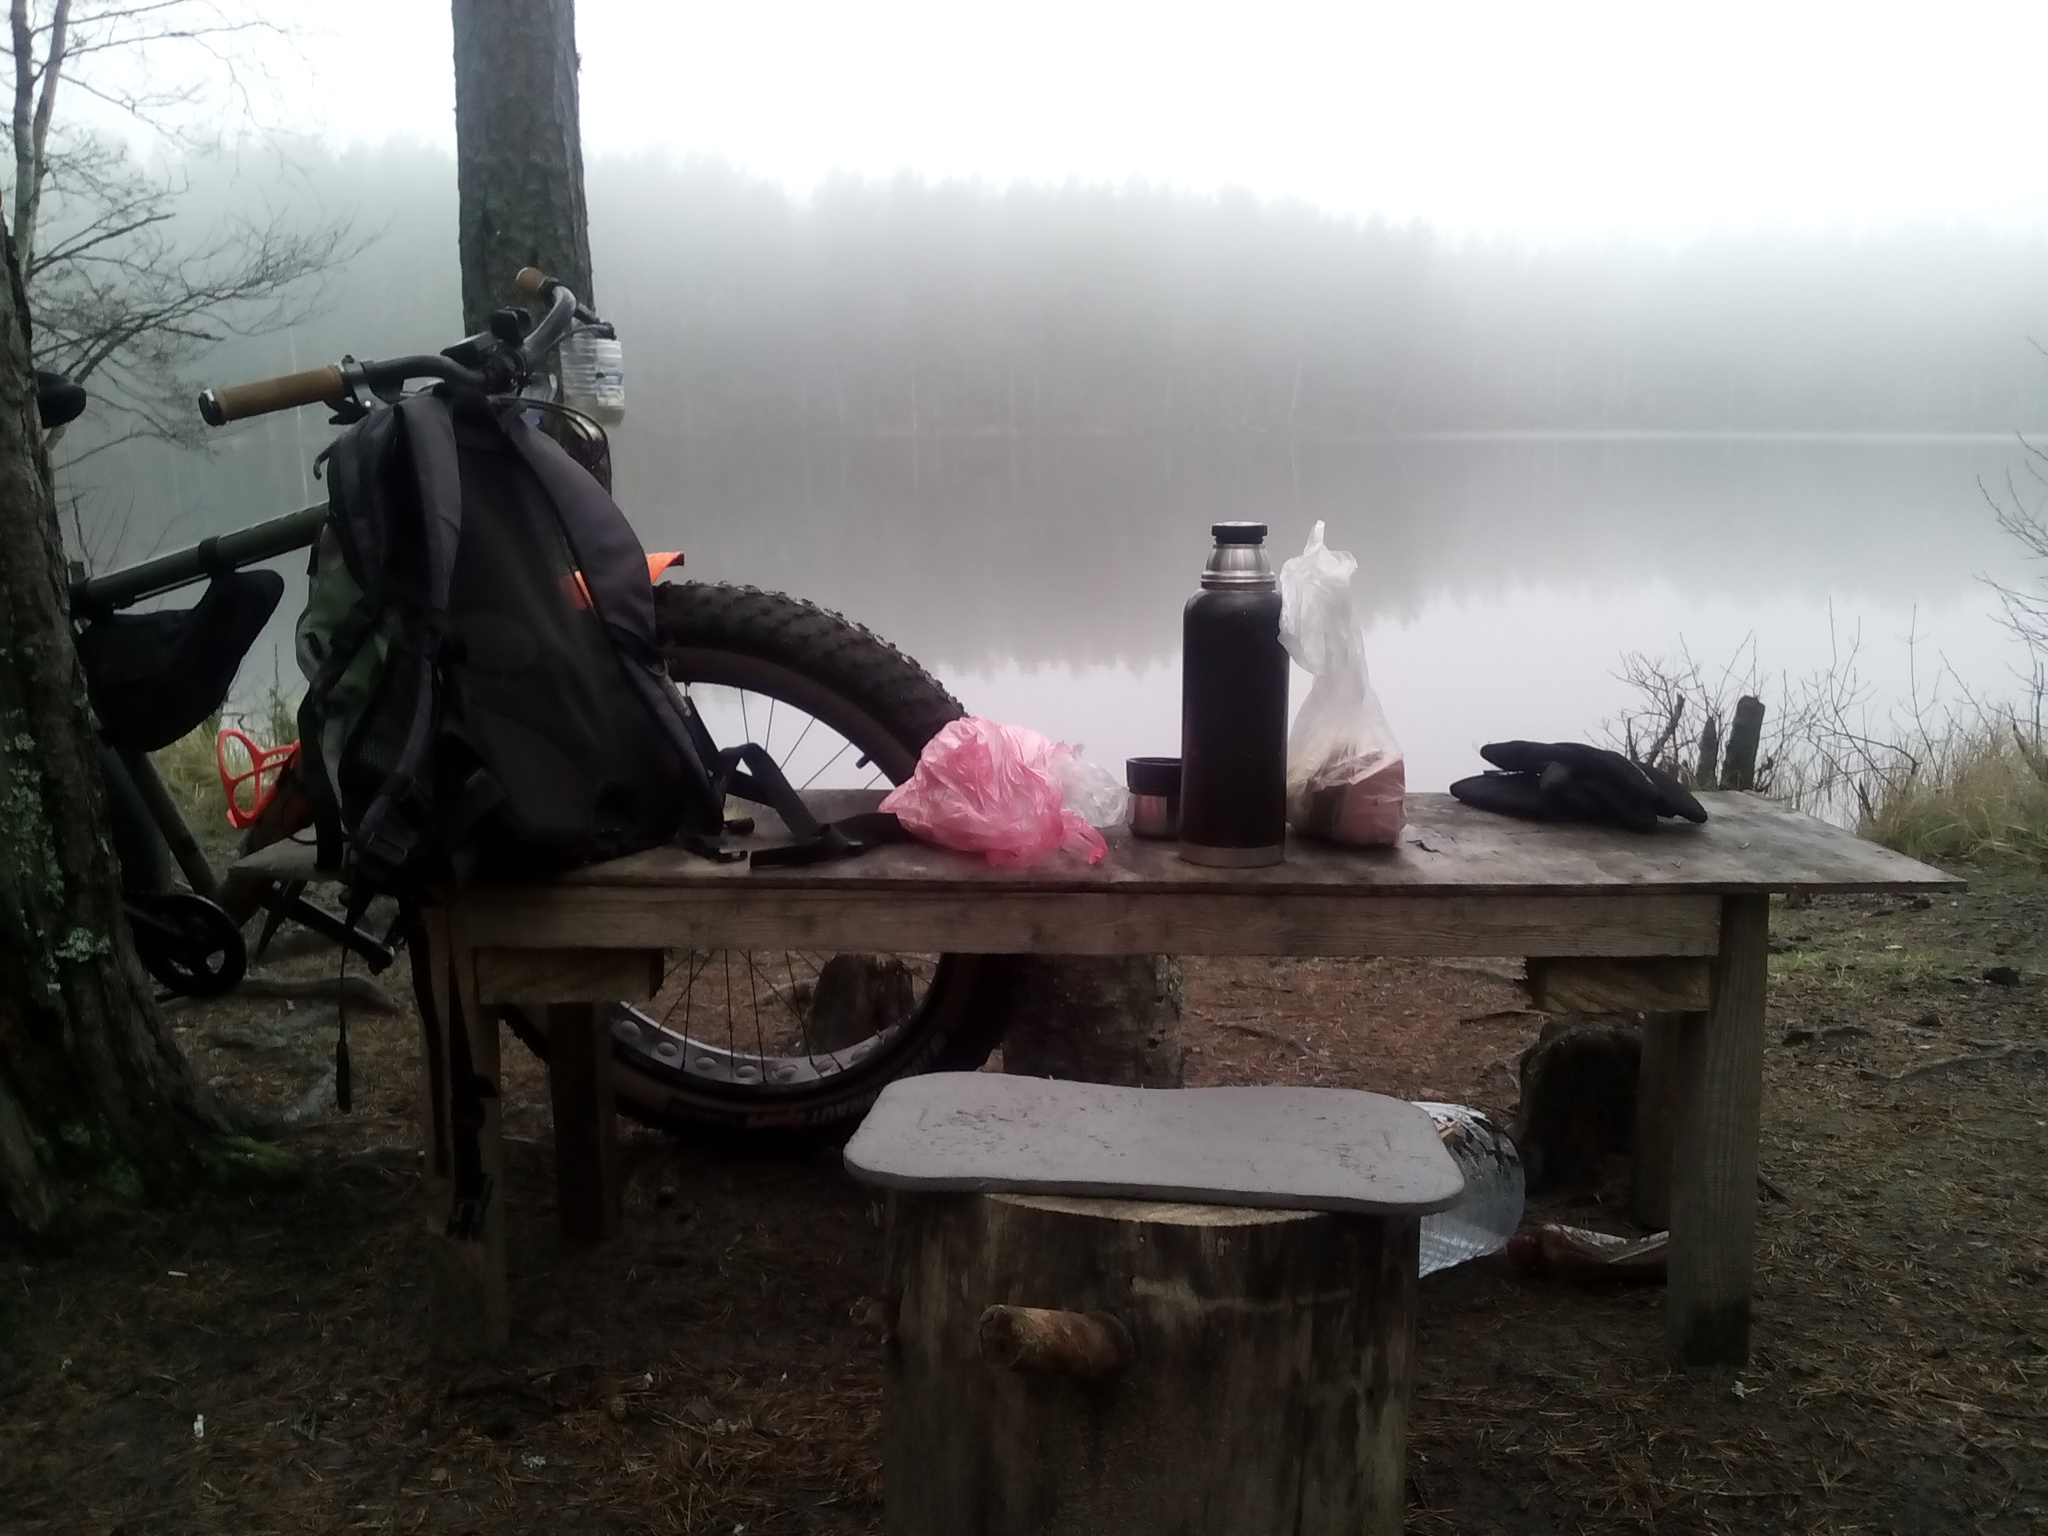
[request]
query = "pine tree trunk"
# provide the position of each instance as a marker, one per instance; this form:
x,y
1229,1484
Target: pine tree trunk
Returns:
x,y
93,1092
518,149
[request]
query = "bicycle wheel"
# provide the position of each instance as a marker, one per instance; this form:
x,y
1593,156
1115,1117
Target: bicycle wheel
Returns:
x,y
793,1046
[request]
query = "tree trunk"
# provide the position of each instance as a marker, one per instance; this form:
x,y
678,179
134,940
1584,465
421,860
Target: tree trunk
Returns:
x,y
1067,1367
93,1093
1085,1019
518,149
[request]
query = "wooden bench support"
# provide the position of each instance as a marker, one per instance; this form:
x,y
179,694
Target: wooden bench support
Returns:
x,y
1609,986
540,976
1207,1370
580,1092
1656,1120
469,1316
1719,1076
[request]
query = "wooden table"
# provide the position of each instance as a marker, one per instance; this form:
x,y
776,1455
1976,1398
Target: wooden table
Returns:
x,y
1673,925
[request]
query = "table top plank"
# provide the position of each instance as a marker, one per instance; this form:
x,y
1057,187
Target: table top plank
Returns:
x,y
1749,845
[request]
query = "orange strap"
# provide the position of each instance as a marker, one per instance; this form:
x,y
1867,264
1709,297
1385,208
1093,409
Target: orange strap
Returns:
x,y
579,593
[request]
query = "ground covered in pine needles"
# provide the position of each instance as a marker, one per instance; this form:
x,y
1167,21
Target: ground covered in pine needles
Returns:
x,y
258,1362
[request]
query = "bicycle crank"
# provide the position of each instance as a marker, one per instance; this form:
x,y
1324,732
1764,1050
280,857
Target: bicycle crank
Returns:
x,y
186,942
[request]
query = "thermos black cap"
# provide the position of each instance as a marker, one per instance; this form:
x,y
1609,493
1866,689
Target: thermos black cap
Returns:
x,y
1238,533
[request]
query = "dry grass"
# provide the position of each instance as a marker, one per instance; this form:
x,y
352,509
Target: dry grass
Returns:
x,y
1980,792
189,771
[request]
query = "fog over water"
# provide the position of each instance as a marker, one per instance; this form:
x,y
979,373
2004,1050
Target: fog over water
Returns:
x,y
995,426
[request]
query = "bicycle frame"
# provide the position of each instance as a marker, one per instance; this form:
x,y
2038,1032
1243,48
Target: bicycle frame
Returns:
x,y
194,931
168,573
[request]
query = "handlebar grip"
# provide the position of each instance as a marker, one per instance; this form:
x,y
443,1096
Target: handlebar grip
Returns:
x,y
532,282
237,402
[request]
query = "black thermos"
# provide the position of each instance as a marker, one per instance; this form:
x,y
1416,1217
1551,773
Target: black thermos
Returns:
x,y
1233,712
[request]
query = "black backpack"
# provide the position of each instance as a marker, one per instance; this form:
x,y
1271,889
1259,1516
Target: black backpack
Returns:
x,y
486,692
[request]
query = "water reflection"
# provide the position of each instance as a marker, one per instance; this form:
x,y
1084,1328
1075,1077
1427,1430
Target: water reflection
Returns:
x,y
1501,577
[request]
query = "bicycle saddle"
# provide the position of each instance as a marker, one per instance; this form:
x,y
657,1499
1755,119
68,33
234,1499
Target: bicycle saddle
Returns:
x,y
152,677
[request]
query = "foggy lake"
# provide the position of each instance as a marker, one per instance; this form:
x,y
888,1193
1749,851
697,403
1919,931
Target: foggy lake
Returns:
x,y
1501,577
996,426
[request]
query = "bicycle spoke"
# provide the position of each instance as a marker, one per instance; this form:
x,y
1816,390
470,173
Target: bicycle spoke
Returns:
x,y
804,1029
807,783
784,762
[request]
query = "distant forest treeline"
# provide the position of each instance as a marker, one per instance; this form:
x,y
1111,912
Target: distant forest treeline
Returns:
x,y
901,307
905,307
996,424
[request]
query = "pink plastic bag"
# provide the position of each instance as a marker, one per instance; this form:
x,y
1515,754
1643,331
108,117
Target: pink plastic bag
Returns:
x,y
996,790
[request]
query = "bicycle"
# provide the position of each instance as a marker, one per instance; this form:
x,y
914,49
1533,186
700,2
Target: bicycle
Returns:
x,y
806,1040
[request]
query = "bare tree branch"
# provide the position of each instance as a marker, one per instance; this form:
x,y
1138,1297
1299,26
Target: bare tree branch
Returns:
x,y
125,294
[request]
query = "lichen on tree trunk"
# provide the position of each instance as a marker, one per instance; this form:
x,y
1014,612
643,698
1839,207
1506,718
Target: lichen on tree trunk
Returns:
x,y
93,1092
518,149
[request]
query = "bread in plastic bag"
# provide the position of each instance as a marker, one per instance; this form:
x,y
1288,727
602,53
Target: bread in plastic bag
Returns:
x,y
1346,777
1003,792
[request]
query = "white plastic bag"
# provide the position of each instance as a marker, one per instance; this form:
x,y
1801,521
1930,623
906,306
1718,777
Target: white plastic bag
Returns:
x,y
1000,791
1345,773
1093,793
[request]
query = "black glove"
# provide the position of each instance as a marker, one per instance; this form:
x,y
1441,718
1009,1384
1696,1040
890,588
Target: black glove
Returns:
x,y
1568,781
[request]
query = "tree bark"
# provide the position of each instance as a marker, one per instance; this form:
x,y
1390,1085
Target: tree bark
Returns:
x,y
1069,1367
518,149
93,1092
1089,1019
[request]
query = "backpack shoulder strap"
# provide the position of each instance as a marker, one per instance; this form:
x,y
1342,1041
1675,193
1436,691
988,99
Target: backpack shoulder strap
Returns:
x,y
385,841
613,564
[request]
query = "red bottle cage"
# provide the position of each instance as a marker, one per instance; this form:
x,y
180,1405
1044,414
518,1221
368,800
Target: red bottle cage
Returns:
x,y
250,790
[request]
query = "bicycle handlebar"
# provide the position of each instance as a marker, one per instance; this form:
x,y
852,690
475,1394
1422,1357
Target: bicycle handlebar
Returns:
x,y
218,407
505,366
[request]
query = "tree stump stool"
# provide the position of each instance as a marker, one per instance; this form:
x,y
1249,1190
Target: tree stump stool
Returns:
x,y
1089,1352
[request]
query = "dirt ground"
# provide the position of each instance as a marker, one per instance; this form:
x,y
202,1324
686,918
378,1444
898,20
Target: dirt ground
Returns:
x,y
259,1362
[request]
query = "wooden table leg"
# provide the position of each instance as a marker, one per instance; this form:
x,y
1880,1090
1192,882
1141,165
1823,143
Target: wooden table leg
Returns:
x,y
469,1315
1656,1120
580,1088
1713,1185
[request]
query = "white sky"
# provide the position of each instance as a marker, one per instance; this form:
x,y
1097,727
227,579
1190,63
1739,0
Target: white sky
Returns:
x,y
1543,118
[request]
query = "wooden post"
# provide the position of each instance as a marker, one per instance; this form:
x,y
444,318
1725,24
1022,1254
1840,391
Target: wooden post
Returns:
x,y
580,1091
1713,1186
1745,733
468,1312
1706,775
1656,1117
1070,1367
